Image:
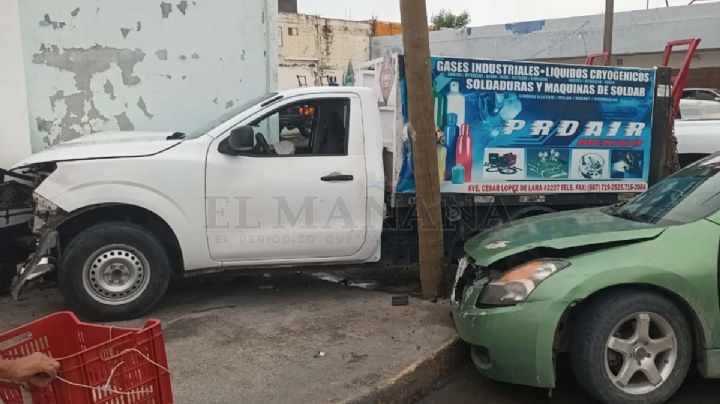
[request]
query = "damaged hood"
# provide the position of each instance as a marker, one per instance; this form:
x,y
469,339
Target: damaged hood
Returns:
x,y
104,145
558,231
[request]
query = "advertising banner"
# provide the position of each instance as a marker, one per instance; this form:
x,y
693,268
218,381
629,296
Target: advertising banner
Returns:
x,y
523,127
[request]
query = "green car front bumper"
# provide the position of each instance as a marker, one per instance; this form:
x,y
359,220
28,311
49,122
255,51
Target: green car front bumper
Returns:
x,y
510,344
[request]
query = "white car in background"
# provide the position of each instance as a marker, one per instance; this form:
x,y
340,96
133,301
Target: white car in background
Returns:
x,y
698,130
700,103
696,139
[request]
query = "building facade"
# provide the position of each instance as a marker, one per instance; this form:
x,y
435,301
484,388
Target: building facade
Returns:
x,y
320,51
639,40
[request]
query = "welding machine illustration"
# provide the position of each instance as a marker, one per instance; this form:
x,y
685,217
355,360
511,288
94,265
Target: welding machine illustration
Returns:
x,y
504,164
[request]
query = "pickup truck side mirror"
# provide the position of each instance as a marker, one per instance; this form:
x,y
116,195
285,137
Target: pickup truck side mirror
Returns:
x,y
241,140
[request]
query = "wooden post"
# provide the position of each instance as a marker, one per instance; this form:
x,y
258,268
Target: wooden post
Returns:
x,y
416,41
608,33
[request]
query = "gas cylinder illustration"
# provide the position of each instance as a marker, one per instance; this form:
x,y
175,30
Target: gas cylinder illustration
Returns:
x,y
456,102
440,108
458,175
406,180
463,151
451,131
441,158
442,153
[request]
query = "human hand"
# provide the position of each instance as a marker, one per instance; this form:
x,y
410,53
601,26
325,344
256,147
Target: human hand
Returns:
x,y
37,369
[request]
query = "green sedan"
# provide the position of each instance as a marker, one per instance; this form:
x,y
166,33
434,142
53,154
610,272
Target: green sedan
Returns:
x,y
626,295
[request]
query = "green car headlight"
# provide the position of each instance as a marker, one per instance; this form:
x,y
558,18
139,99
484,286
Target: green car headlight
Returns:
x,y
515,285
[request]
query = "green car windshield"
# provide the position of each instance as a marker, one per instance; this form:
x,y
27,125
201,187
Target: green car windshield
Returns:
x,y
686,196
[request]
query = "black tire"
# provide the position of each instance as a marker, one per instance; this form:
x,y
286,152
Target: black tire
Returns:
x,y
7,272
594,325
86,245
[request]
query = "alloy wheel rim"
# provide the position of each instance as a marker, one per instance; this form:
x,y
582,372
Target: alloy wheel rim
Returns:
x,y
641,353
116,274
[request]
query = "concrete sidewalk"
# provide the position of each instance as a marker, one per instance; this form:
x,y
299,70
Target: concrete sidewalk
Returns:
x,y
296,339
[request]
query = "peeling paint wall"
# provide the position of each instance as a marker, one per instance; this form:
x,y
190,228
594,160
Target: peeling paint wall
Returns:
x,y
14,133
316,48
95,65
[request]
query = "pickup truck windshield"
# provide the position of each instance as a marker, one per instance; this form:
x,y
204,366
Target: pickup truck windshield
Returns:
x,y
686,196
228,114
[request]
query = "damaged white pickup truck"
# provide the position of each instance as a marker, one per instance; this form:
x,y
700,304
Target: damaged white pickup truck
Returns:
x,y
119,214
316,176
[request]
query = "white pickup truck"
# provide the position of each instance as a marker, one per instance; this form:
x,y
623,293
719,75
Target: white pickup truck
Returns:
x,y
124,211
119,214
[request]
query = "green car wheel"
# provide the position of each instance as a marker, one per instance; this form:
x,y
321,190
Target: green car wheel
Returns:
x,y
631,346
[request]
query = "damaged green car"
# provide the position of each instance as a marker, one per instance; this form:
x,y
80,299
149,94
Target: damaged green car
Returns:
x,y
627,295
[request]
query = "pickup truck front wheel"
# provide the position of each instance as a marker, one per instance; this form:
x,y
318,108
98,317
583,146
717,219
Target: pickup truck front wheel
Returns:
x,y
114,271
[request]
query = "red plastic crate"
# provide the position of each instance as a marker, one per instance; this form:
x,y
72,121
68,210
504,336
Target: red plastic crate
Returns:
x,y
88,353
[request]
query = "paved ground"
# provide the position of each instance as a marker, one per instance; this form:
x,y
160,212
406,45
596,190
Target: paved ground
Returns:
x,y
467,386
231,341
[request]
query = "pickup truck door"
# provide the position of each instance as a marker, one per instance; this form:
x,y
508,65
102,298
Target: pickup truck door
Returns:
x,y
299,204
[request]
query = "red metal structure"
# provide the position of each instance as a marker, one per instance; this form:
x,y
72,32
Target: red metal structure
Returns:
x,y
677,81
680,79
590,61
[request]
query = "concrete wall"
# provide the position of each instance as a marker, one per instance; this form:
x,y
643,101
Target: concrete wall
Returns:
x,y
703,59
14,131
644,31
315,48
705,70
95,65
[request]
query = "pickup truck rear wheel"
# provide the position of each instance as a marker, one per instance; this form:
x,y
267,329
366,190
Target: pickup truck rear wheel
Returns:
x,y
631,347
7,272
114,271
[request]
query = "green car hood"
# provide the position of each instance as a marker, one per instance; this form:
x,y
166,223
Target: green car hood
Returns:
x,y
558,231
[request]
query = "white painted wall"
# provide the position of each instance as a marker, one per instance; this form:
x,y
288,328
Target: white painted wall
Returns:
x,y
14,131
170,65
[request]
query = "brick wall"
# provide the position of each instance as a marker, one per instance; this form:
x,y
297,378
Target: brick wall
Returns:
x,y
704,77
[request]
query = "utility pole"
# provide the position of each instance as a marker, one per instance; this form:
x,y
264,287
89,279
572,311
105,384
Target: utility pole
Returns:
x,y
608,34
422,133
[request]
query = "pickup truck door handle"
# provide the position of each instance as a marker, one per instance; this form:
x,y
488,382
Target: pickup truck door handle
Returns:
x,y
337,177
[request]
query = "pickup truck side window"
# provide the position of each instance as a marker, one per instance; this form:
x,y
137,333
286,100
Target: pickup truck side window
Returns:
x,y
308,128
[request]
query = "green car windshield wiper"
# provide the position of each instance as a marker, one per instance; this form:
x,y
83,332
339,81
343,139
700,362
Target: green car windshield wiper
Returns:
x,y
626,214
616,206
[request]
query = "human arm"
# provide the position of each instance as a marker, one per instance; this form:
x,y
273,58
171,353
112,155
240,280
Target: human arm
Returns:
x,y
37,369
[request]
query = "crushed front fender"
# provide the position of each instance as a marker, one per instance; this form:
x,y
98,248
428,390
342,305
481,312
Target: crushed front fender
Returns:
x,y
40,263
512,344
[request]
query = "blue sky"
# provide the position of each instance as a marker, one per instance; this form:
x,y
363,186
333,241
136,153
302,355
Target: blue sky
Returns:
x,y
483,12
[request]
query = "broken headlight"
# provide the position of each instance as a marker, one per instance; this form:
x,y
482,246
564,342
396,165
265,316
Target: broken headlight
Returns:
x,y
515,285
